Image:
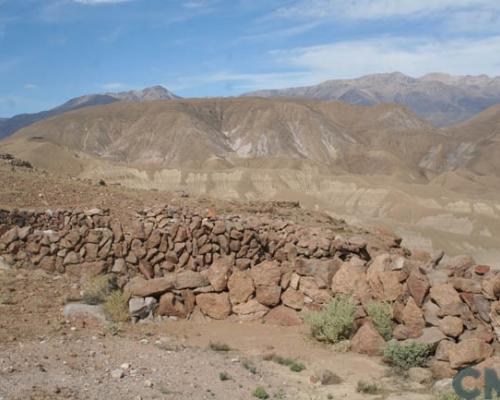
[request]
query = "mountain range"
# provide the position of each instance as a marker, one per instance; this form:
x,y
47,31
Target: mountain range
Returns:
x,y
382,164
441,99
10,125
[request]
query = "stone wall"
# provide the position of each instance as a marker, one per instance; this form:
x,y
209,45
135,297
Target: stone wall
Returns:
x,y
177,263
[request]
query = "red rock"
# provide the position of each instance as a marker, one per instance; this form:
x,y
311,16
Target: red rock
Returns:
x,y
445,295
413,318
266,273
268,295
418,286
469,352
219,271
240,286
367,340
293,299
482,269
143,288
451,326
146,269
215,305
171,306
283,316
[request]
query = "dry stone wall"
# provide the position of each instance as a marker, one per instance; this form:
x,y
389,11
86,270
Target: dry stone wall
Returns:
x,y
177,263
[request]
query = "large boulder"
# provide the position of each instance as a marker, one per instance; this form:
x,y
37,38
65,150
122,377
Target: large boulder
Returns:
x,y
283,316
418,286
190,280
367,340
413,318
240,286
214,305
469,352
219,271
293,299
445,295
141,287
451,326
268,295
267,273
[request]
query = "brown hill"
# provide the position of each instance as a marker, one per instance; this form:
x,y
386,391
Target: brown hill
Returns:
x,y
215,133
378,164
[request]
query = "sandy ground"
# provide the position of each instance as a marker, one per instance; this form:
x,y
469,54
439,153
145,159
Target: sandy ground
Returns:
x,y
44,356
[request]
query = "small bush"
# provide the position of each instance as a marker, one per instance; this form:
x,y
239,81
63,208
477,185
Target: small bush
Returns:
x,y
116,306
335,321
406,356
297,367
294,365
447,396
367,387
217,346
260,393
96,290
250,367
224,376
381,316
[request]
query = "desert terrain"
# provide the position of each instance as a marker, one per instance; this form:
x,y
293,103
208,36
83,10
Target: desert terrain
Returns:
x,y
381,164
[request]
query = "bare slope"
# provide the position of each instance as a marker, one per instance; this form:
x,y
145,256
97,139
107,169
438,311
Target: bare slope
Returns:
x,y
439,98
385,139
8,126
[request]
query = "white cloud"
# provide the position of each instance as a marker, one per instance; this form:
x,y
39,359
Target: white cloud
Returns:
x,y
374,9
412,56
30,86
113,86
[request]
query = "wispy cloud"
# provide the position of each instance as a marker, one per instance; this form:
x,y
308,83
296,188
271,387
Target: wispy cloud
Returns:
x,y
374,9
95,2
30,86
413,56
113,86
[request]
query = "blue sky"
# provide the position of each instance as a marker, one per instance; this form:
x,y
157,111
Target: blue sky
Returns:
x,y
52,50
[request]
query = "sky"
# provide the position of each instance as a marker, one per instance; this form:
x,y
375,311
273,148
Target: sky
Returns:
x,y
53,50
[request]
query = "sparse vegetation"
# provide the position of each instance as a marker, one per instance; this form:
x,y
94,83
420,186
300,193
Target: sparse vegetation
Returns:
x,y
294,365
260,393
96,289
367,387
116,306
249,366
224,376
5,299
406,356
335,321
447,396
217,346
381,316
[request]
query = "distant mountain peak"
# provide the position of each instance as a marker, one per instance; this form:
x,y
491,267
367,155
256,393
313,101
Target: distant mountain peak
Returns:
x,y
156,92
440,98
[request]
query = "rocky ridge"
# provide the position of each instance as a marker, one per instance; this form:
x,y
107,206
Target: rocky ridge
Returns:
x,y
177,262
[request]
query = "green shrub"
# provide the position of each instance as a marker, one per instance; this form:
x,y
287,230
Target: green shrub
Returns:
x,y
335,321
260,393
250,367
381,316
96,289
294,365
367,387
224,376
447,396
406,356
116,306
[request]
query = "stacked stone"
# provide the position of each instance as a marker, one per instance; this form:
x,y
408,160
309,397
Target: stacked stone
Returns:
x,y
178,263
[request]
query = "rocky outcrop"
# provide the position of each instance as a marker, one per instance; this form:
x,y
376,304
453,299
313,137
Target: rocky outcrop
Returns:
x,y
177,263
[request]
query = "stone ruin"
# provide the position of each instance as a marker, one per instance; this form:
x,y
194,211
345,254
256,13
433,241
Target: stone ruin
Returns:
x,y
175,262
